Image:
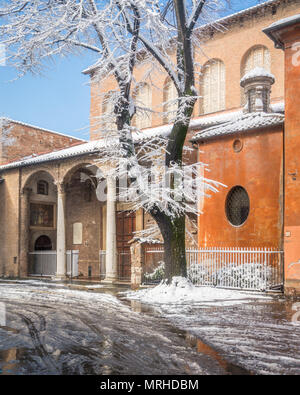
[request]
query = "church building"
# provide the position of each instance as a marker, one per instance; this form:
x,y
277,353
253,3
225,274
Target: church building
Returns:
x,y
246,127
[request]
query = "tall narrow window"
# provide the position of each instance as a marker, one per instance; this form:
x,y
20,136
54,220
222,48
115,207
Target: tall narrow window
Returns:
x,y
258,56
109,119
143,101
42,187
170,95
213,87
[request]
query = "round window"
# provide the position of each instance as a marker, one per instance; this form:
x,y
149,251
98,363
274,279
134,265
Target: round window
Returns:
x,y
237,206
237,145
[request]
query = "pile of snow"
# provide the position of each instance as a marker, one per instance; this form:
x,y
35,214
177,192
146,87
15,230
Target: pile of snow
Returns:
x,y
182,290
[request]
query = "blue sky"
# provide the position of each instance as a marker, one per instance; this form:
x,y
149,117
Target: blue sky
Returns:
x,y
60,99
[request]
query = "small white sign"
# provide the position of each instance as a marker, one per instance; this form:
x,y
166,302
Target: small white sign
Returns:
x,y
77,233
2,55
2,314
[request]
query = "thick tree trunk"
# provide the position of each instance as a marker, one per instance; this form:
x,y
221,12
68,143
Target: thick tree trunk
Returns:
x,y
174,254
173,232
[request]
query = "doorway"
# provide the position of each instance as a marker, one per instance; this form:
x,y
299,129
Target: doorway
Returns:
x,y
43,243
125,232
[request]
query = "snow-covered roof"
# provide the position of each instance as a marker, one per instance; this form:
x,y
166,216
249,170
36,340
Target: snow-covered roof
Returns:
x,y
257,72
91,147
5,119
219,21
271,30
212,120
249,121
87,148
285,22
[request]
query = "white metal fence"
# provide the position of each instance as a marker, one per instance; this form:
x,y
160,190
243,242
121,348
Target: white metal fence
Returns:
x,y
44,263
72,263
258,269
242,268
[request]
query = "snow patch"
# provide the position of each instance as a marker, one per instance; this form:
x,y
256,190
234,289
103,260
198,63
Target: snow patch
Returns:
x,y
181,290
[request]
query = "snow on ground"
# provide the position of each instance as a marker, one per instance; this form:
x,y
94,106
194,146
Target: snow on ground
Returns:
x,y
181,290
253,331
51,330
62,331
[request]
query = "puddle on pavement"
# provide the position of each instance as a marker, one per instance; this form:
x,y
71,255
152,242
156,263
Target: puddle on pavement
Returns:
x,y
191,340
8,361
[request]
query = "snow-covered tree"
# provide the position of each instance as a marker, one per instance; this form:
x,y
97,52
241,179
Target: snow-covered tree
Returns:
x,y
124,34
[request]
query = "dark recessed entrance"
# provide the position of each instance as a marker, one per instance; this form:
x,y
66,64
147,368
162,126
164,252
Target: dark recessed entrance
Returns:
x,y
43,243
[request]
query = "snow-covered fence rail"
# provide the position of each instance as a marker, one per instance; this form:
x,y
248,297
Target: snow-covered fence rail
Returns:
x,y
243,268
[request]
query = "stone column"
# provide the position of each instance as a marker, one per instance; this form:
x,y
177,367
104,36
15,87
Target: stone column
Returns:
x,y
24,232
111,233
61,232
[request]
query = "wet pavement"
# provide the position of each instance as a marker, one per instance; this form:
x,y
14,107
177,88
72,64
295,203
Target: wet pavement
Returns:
x,y
48,329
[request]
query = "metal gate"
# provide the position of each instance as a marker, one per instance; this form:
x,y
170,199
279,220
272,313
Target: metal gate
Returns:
x,y
72,263
154,266
42,263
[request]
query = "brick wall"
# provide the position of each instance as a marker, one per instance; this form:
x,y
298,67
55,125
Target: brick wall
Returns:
x,y
18,141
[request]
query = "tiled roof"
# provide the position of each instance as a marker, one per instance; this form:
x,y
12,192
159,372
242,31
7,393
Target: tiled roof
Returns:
x,y
216,119
91,147
88,148
245,122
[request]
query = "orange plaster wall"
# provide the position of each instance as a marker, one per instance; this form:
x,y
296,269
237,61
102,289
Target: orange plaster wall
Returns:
x,y
257,168
292,162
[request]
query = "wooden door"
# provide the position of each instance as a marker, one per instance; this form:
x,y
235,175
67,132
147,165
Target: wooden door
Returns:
x,y
125,232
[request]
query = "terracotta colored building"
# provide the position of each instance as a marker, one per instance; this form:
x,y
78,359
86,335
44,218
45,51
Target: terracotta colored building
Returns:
x,y
286,36
246,154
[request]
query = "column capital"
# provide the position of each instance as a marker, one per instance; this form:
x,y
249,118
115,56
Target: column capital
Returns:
x,y
61,187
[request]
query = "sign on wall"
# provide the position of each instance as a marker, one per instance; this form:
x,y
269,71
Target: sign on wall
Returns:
x,y
77,233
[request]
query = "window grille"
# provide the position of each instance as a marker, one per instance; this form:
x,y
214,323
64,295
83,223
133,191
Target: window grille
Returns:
x,y
213,87
42,187
237,206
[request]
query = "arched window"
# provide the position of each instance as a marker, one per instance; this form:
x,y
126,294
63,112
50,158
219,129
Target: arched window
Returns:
x,y
213,87
237,206
170,95
109,118
143,100
258,56
42,187
43,243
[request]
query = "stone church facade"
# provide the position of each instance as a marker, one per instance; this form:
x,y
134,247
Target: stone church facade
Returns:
x,y
49,202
